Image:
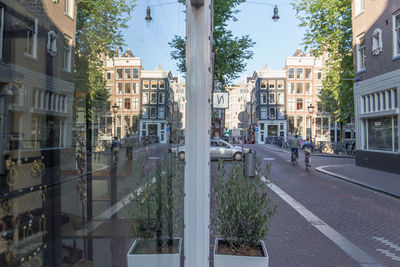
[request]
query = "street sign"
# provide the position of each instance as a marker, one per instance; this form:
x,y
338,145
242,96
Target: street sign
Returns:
x,y
243,116
220,100
256,130
243,125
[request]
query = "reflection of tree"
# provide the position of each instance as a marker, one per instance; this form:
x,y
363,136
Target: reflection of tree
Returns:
x,y
81,164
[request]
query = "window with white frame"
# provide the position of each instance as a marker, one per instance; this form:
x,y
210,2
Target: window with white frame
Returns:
x,y
1,30
152,112
127,88
291,104
135,103
146,84
396,35
376,41
52,43
263,113
308,74
291,73
127,74
69,8
263,99
361,56
119,103
67,53
161,98
127,103
153,98
272,99
135,73
134,90
271,84
161,84
272,113
281,113
161,112
145,99
299,73
31,28
108,75
308,102
291,88
308,89
299,104
360,6
263,84
145,112
119,74
153,85
280,85
119,88
281,98
299,88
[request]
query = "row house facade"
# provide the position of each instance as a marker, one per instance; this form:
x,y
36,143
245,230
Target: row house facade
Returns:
x,y
304,76
178,88
269,97
239,95
376,44
157,102
37,92
123,78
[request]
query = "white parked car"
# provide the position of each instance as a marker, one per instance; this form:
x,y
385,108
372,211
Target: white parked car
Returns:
x,y
219,149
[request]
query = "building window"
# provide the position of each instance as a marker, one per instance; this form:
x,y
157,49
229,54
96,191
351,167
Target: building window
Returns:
x,y
135,73
308,89
291,73
127,88
299,74
31,37
153,84
319,76
272,98
281,113
308,74
153,98
161,98
263,98
52,43
119,74
145,98
263,85
280,85
161,112
382,133
152,112
299,103
108,75
299,88
291,105
161,84
271,84
360,6
119,103
127,74
308,102
396,35
263,113
272,113
281,98
146,84
361,53
127,103
69,8
67,53
134,89
135,103
145,112
291,88
119,88
291,124
376,42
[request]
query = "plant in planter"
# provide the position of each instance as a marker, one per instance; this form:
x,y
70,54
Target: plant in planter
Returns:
x,y
156,211
243,217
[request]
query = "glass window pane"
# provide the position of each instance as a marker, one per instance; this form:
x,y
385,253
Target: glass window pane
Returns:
x,y
380,134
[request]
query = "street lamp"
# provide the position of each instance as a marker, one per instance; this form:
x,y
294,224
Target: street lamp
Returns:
x,y
311,111
275,17
115,109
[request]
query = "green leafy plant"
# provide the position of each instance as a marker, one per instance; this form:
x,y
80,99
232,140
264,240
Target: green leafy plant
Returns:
x,y
156,208
243,207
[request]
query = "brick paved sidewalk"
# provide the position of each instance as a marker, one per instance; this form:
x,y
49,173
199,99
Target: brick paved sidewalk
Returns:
x,y
384,182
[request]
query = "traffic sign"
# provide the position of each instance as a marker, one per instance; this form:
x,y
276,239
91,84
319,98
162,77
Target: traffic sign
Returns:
x,y
220,100
243,125
243,116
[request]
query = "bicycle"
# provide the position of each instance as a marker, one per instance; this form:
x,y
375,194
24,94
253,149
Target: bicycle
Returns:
x,y
294,157
307,158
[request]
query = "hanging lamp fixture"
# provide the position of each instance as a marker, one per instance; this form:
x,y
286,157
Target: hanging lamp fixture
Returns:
x,y
148,17
275,17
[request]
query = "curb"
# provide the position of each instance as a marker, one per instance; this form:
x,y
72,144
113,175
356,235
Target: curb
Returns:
x,y
316,155
353,181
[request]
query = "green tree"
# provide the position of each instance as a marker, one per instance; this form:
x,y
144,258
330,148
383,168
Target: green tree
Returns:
x,y
99,32
328,28
231,51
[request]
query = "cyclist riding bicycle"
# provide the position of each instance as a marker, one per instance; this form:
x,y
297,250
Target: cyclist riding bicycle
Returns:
x,y
294,144
307,146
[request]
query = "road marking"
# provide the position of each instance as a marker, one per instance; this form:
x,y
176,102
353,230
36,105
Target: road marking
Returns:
x,y
346,245
391,245
269,158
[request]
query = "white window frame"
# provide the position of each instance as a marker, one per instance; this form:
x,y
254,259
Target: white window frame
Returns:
x,y
377,42
153,83
297,102
280,98
271,84
270,116
361,56
146,84
161,83
281,84
119,103
396,36
151,98
145,99
360,6
145,112
272,100
161,110
1,30
133,72
34,40
263,84
67,53
262,98
264,113
291,104
129,76
301,76
153,116
69,8
294,73
122,74
135,103
161,96
119,92
305,88
291,89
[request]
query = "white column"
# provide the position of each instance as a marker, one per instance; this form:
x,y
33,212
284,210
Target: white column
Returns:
x,y
197,168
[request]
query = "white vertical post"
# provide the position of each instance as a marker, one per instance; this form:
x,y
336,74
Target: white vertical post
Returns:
x,y
197,136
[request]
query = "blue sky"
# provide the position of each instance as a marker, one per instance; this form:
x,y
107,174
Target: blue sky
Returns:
x,y
274,40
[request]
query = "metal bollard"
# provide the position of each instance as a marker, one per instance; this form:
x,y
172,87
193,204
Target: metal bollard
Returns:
x,y
250,164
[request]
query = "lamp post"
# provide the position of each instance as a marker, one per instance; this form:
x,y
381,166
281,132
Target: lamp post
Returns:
x,y
115,109
311,111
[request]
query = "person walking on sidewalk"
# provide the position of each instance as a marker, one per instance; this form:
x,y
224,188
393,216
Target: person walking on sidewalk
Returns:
x,y
294,144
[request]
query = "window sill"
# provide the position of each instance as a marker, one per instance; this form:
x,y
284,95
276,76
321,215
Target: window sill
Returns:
x,y
361,71
30,56
359,14
69,16
396,57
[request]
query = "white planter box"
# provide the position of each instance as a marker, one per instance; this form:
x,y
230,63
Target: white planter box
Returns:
x,y
239,261
154,260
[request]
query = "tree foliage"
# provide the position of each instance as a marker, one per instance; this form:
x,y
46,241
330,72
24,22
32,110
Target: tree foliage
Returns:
x,y
99,32
231,51
328,28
